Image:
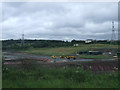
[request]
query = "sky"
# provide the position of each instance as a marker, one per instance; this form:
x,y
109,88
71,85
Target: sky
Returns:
x,y
59,21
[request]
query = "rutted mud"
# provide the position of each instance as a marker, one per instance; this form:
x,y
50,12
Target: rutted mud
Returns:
x,y
15,59
11,56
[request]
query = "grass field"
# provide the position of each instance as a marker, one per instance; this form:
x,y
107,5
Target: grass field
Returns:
x,y
72,50
58,78
95,56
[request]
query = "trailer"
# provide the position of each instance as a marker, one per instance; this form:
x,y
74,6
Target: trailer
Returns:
x,y
91,52
95,53
118,53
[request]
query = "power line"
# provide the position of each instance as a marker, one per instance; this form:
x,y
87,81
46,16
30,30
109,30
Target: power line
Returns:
x,y
22,40
113,33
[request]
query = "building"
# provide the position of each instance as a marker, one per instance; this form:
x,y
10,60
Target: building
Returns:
x,y
75,45
88,41
95,53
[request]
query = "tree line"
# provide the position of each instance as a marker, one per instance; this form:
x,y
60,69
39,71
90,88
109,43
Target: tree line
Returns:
x,y
17,44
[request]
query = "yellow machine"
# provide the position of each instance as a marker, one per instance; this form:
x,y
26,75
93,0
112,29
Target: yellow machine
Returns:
x,y
54,57
74,57
69,57
61,56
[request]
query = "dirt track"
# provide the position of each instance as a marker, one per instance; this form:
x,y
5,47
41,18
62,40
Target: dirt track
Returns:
x,y
15,55
96,64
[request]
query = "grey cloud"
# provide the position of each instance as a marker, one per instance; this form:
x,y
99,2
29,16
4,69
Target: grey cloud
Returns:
x,y
59,20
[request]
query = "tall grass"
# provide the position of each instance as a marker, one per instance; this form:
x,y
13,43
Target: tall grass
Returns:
x,y
58,78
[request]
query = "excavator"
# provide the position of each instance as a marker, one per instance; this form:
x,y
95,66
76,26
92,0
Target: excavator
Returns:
x,y
54,57
61,57
68,57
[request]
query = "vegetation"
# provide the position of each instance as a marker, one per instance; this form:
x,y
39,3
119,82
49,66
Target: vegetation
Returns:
x,y
16,44
58,48
71,50
95,56
58,78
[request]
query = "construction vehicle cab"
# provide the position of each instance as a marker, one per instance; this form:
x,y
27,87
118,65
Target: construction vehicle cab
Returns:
x,y
69,57
61,56
54,57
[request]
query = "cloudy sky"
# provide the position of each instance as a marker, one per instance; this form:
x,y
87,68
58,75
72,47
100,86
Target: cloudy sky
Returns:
x,y
59,21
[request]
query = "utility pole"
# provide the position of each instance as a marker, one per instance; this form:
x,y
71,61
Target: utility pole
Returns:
x,y
113,33
22,42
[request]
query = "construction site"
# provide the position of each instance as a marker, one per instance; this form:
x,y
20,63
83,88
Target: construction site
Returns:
x,y
99,57
60,45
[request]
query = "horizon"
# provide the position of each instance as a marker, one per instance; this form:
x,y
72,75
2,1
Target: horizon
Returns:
x,y
61,40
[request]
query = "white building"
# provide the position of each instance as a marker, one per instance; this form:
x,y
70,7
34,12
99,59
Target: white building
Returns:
x,y
88,41
75,45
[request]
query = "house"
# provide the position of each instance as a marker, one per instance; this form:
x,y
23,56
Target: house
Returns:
x,y
88,41
75,45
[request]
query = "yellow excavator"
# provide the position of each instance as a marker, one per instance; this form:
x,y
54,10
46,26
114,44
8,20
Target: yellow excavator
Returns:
x,y
54,57
69,57
61,57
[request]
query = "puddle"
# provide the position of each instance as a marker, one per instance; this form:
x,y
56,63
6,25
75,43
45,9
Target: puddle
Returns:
x,y
84,60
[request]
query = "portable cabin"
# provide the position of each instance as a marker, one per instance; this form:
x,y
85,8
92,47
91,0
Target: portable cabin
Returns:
x,y
83,52
118,53
95,53
88,41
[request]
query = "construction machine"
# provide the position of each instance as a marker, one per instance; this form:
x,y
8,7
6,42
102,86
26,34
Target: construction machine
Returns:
x,y
54,57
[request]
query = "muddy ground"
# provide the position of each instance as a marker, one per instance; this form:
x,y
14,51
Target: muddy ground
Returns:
x,y
93,64
106,66
16,55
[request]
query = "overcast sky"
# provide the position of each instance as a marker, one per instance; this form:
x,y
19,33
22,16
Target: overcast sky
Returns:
x,y
59,21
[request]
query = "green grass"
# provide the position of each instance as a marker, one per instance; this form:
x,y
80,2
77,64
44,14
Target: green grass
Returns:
x,y
51,51
72,50
95,56
68,50
58,78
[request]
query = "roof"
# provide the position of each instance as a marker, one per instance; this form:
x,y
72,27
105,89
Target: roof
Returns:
x,y
89,39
